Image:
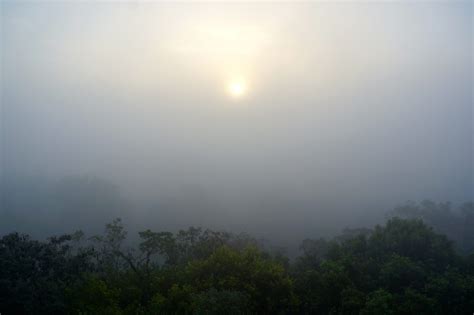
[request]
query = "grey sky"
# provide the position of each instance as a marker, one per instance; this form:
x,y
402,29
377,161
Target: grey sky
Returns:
x,y
349,106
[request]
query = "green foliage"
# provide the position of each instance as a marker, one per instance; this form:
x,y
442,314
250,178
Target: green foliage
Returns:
x,y
455,223
415,302
34,275
215,302
400,272
264,281
411,239
352,301
379,302
93,296
403,267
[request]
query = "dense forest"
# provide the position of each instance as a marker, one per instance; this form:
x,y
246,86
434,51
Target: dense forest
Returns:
x,y
405,266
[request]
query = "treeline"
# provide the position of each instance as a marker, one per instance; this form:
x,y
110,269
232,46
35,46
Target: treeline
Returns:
x,y
403,267
456,222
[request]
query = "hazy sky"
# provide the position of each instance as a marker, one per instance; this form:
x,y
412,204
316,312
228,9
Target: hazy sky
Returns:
x,y
346,105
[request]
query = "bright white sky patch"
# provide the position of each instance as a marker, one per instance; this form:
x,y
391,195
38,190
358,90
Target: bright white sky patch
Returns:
x,y
237,88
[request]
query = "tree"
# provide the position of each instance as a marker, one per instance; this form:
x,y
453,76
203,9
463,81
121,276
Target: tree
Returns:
x,y
403,267
93,296
456,223
399,273
389,270
264,281
412,239
379,302
218,302
34,275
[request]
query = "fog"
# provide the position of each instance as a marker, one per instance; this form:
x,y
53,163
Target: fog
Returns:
x,y
122,109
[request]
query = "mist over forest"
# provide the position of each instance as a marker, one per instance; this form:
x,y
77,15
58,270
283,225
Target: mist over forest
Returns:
x,y
286,122
342,122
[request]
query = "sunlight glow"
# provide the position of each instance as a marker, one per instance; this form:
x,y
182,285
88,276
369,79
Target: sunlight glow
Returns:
x,y
237,88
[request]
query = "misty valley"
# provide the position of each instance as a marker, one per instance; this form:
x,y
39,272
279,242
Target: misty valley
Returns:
x,y
400,267
419,259
236,157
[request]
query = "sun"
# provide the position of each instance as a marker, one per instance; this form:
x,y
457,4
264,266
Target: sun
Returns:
x,y
237,88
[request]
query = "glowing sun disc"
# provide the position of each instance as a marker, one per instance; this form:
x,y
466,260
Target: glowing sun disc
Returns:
x,y
237,88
